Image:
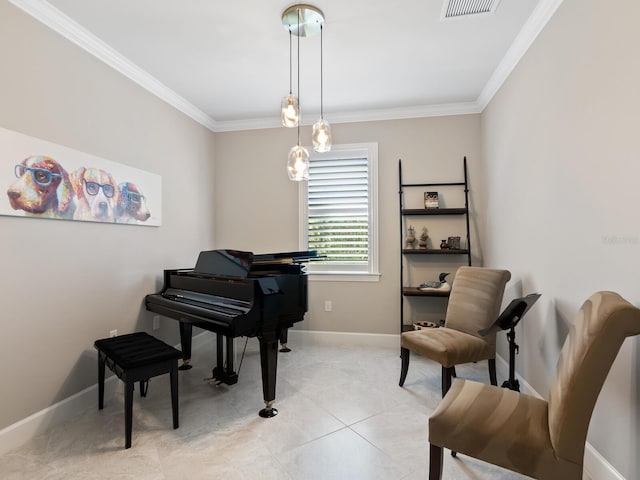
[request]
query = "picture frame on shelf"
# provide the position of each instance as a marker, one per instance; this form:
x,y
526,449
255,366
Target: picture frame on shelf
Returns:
x,y
431,200
454,243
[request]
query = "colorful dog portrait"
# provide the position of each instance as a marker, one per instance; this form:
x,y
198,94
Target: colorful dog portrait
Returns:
x,y
66,184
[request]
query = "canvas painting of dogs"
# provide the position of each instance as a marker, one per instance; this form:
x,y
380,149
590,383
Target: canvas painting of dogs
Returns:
x,y
46,180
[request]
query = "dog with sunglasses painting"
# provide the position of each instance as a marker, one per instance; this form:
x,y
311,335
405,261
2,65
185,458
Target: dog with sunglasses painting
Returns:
x,y
96,194
132,204
42,189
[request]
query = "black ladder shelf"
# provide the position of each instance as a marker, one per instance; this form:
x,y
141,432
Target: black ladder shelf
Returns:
x,y
413,291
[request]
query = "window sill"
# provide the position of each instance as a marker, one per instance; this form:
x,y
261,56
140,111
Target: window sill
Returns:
x,y
344,277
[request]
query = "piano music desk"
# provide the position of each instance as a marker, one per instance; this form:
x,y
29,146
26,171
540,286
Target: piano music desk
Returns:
x,y
136,357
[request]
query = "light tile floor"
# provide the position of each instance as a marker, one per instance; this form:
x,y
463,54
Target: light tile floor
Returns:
x,y
341,416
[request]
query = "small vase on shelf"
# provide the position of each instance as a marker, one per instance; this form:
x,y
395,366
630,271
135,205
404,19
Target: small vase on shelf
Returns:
x,y
411,237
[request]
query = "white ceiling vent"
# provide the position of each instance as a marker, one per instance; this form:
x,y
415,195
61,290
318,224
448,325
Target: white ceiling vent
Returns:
x,y
459,8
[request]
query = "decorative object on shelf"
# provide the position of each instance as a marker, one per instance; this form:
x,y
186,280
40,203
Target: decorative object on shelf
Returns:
x,y
411,237
440,286
431,200
303,20
423,238
454,243
444,245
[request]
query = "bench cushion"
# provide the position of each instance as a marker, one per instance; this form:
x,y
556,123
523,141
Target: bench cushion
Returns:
x,y
136,350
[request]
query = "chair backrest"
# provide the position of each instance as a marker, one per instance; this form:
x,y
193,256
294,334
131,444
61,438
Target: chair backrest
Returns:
x,y
595,338
475,300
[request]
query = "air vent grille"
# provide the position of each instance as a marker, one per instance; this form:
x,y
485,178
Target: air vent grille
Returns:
x,y
458,8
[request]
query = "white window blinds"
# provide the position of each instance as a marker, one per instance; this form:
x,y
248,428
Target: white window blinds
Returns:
x,y
338,210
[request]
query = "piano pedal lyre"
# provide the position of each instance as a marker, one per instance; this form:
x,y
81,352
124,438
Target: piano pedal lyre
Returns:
x,y
284,348
268,411
213,381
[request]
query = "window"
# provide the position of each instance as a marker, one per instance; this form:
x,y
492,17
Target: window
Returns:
x,y
339,215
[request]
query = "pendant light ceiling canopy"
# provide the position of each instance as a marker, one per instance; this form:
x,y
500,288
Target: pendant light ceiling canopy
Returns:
x,y
303,20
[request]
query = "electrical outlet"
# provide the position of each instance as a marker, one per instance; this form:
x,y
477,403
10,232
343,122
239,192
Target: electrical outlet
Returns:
x,y
156,322
113,333
328,305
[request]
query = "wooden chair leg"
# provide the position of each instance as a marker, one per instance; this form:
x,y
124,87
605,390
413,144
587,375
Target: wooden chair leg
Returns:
x,y
492,372
435,462
404,355
446,379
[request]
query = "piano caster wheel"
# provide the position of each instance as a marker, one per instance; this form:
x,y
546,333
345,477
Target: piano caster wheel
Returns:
x,y
268,412
185,365
284,348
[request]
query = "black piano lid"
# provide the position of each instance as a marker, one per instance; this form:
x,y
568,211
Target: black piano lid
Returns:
x,y
237,263
224,263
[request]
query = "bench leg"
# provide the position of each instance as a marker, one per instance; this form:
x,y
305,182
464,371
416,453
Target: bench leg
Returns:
x,y
128,412
173,378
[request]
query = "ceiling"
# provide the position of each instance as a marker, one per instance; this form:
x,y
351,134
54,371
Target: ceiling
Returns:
x,y
226,63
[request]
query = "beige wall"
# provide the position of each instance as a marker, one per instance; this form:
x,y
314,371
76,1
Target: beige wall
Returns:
x,y
66,284
256,205
561,151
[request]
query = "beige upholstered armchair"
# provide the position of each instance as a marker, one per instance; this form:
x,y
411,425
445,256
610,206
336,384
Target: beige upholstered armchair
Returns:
x,y
474,304
525,434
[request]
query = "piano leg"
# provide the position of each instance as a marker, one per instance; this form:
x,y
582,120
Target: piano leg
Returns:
x,y
186,330
283,340
269,364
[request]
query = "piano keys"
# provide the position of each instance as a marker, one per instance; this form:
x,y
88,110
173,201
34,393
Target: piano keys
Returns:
x,y
236,293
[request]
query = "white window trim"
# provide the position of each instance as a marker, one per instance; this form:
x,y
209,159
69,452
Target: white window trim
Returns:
x,y
340,151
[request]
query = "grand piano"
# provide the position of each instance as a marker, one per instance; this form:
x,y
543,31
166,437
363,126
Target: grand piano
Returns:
x,y
236,293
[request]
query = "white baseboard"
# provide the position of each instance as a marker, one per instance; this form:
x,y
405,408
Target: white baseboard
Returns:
x,y
595,466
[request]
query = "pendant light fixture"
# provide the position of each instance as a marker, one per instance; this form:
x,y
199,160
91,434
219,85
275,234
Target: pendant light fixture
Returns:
x,y
321,129
290,110
304,20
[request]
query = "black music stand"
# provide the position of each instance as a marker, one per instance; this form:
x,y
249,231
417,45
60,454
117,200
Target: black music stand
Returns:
x,y
508,319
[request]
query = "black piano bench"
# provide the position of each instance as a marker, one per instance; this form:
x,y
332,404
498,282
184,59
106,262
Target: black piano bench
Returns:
x,y
136,357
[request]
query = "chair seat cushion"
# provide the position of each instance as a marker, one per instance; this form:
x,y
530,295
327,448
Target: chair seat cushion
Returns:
x,y
507,428
446,346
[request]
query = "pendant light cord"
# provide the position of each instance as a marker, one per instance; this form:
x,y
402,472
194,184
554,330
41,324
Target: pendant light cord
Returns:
x,y
321,76
290,65
299,109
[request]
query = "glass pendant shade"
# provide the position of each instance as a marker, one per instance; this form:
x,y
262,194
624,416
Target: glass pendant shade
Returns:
x,y
290,113
321,136
298,164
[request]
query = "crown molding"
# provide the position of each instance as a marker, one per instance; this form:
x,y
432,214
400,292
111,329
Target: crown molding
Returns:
x,y
53,18
419,111
525,38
